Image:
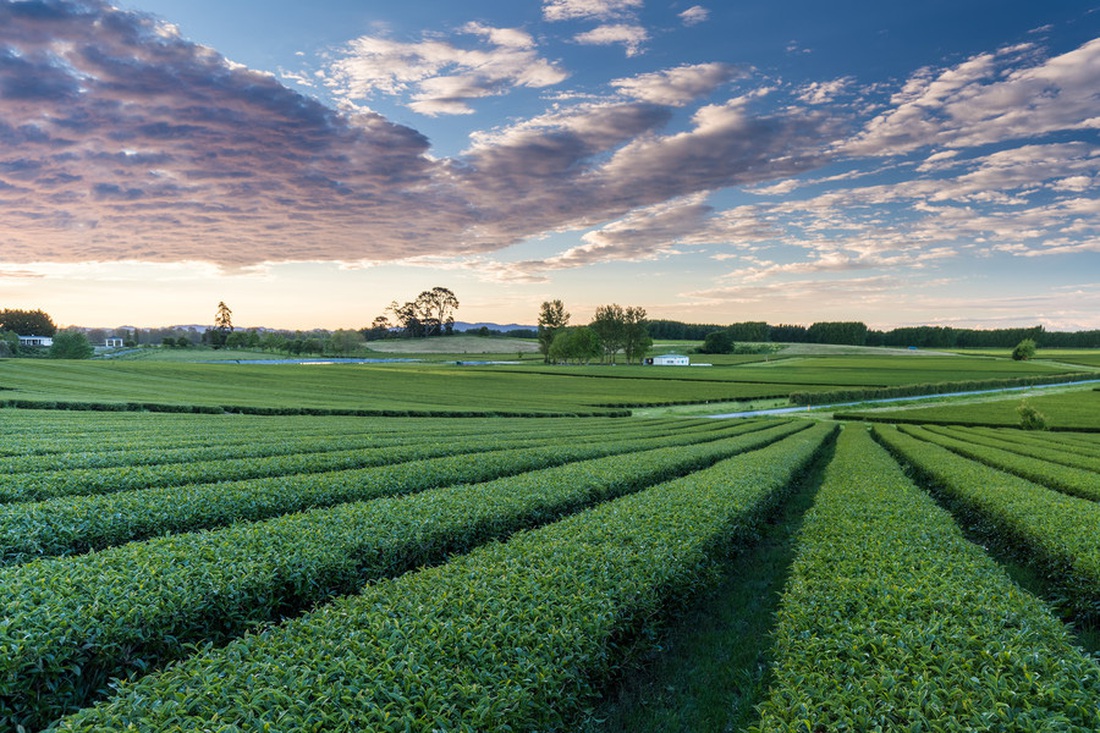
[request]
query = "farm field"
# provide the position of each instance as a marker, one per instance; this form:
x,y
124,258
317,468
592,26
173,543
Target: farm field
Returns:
x,y
519,578
173,572
446,388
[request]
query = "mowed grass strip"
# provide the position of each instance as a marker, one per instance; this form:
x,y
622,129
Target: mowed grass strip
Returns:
x,y
892,621
73,525
1067,479
516,636
74,624
1056,533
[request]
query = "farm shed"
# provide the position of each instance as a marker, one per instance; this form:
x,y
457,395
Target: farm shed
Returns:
x,y
669,360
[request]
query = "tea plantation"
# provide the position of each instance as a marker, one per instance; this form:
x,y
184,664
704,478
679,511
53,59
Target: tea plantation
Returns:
x,y
172,571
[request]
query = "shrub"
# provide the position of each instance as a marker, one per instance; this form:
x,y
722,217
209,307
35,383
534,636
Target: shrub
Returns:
x,y
1030,418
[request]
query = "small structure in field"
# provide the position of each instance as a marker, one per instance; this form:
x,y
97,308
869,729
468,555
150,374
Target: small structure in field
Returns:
x,y
36,341
668,360
113,343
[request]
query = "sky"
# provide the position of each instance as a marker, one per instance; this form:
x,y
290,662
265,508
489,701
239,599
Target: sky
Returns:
x,y
788,161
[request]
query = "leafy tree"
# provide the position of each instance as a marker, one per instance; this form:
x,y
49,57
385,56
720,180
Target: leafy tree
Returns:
x,y
236,340
1024,350
344,341
552,319
378,330
610,326
838,332
578,344
717,342
407,318
27,323
71,344
9,343
223,319
621,329
431,314
223,326
636,339
436,308
273,342
756,331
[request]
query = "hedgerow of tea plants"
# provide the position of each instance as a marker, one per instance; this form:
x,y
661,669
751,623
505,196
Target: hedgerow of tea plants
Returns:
x,y
514,636
1060,534
71,525
75,623
892,621
1067,479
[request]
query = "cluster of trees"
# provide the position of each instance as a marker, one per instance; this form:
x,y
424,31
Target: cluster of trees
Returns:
x,y
612,330
431,314
68,344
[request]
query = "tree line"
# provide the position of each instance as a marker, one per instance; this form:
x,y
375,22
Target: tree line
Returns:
x,y
856,333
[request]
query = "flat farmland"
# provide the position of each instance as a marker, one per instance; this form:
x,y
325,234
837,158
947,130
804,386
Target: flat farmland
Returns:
x,y
447,387
177,572
417,387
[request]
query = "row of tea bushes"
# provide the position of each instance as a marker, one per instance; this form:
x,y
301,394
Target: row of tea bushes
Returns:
x,y
87,481
74,624
893,621
515,636
1056,449
1067,479
1057,532
258,443
72,525
47,433
429,443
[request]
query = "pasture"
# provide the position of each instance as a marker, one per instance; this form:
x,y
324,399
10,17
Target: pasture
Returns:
x,y
465,572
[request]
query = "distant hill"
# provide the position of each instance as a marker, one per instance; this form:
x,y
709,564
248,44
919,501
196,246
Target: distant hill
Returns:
x,y
464,326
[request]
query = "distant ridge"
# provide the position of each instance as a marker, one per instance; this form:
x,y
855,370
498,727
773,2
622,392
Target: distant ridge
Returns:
x,y
464,326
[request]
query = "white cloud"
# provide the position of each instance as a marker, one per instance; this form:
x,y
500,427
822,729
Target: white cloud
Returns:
x,y
630,36
824,91
695,15
678,86
555,10
440,77
989,98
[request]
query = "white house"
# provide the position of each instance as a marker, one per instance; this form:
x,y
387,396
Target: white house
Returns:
x,y
35,341
669,360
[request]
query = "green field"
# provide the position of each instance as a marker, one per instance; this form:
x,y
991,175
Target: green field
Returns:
x,y
462,572
446,387
1077,409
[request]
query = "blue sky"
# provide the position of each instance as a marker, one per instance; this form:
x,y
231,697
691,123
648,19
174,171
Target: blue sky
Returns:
x,y
309,163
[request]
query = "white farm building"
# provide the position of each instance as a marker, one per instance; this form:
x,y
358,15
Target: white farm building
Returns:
x,y
669,360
